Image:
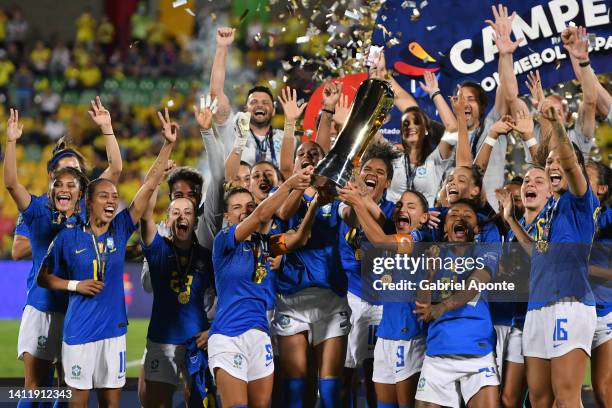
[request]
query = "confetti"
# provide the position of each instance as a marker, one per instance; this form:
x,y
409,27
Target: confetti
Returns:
x,y
353,14
286,65
243,16
383,18
429,28
190,12
392,42
135,43
331,28
170,103
259,63
558,65
178,3
303,39
272,83
416,14
423,4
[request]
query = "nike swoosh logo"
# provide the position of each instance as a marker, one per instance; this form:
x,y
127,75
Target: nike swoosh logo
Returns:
x,y
78,251
267,364
489,375
121,376
397,371
557,345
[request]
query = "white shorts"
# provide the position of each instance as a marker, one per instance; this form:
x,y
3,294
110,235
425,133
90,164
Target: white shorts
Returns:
x,y
446,380
365,318
164,363
95,365
502,333
514,348
40,334
397,360
603,330
554,330
247,357
318,311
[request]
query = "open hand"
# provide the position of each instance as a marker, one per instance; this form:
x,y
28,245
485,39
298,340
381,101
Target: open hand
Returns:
x,y
99,114
204,114
288,100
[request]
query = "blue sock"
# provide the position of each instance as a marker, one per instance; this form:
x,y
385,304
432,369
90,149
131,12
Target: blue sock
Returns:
x,y
385,405
60,404
329,390
294,392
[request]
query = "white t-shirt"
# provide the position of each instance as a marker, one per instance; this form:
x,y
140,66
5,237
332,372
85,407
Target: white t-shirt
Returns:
x,y
426,177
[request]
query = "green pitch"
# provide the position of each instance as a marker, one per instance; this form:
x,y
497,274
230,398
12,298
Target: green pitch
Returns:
x,y
136,340
11,367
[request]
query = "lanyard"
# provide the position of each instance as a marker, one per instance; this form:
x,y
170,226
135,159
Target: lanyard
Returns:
x,y
182,272
410,173
262,147
474,141
101,258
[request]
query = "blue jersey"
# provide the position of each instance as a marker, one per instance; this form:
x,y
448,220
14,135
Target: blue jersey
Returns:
x,y
21,228
398,320
601,255
74,256
44,223
316,264
353,244
567,226
278,227
178,291
242,301
467,330
489,232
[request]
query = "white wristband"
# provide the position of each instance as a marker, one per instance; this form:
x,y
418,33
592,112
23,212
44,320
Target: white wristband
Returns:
x,y
72,285
450,138
531,142
490,141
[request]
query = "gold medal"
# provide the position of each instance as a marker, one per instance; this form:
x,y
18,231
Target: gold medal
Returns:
x,y
260,274
358,254
542,246
434,251
183,298
386,278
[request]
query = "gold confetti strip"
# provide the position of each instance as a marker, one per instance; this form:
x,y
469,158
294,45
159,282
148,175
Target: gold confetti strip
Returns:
x,y
303,39
178,3
190,12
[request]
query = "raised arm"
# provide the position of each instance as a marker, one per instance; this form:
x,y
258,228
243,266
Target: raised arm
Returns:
x,y
501,127
507,94
148,228
506,201
292,111
578,49
402,99
523,125
266,209
464,153
560,142
331,95
101,116
156,172
446,114
225,38
211,219
18,192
